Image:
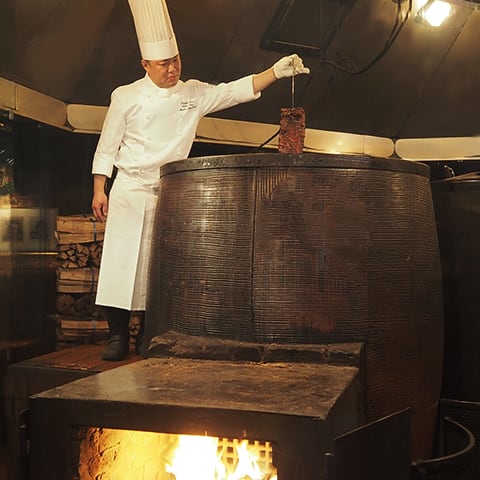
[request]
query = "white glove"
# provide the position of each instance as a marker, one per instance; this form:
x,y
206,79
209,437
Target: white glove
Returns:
x,y
289,66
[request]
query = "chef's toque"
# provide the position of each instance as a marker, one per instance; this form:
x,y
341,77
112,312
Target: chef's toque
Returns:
x,y
155,34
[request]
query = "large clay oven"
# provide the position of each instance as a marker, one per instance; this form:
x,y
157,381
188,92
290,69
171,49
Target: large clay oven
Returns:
x,y
307,249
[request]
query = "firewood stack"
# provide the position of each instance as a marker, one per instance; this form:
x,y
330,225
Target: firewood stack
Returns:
x,y
79,250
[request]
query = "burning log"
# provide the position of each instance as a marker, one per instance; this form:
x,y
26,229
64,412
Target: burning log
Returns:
x,y
292,130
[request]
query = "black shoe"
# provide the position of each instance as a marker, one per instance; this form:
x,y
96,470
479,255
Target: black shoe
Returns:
x,y
117,348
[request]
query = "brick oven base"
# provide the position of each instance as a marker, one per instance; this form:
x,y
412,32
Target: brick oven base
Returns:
x,y
298,407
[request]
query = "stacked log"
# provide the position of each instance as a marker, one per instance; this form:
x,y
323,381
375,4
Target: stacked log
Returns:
x,y
79,251
76,280
79,229
79,255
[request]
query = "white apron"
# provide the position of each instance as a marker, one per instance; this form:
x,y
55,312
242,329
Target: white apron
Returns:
x,y
128,231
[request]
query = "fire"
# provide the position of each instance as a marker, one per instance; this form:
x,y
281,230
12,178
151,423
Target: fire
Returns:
x,y
112,454
203,458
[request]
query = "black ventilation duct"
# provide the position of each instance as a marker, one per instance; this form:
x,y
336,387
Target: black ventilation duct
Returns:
x,y
304,26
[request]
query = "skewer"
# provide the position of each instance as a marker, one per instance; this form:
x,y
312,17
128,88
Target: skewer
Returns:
x,y
293,84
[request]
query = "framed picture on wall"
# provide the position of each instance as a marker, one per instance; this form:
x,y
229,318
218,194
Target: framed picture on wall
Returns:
x,y
13,229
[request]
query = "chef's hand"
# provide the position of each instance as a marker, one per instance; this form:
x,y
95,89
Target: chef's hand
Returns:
x,y
100,206
289,67
100,199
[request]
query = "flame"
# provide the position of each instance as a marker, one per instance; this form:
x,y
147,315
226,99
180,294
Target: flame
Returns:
x,y
129,455
194,457
199,457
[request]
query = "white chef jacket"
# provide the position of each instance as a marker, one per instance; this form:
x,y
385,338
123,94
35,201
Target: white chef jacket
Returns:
x,y
146,127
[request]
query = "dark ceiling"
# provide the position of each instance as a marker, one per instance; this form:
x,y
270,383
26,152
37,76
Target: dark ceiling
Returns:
x,y
419,82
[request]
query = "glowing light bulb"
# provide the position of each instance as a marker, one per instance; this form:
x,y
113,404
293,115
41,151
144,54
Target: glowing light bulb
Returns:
x,y
435,13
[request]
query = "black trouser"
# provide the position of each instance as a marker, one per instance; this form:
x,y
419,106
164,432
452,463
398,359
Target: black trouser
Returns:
x,y
118,320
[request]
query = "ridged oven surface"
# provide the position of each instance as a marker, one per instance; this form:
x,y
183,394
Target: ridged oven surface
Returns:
x,y
313,249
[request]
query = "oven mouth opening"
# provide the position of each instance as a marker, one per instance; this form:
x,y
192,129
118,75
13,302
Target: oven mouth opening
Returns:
x,y
133,454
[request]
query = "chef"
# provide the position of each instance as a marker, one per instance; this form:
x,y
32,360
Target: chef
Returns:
x,y
150,122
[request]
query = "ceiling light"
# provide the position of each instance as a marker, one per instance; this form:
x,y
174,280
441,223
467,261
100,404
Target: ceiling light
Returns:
x,y
434,13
